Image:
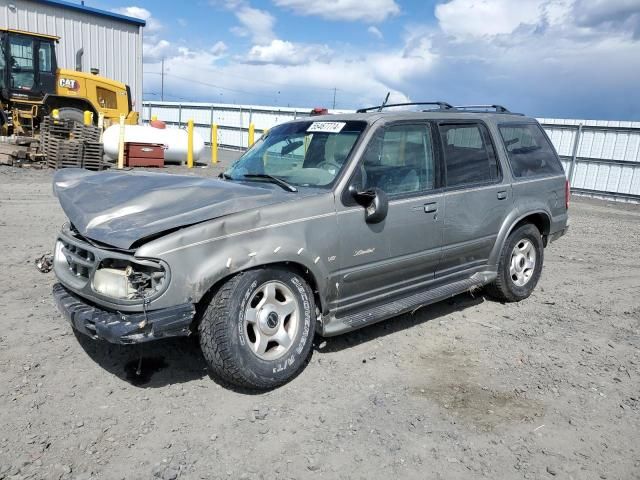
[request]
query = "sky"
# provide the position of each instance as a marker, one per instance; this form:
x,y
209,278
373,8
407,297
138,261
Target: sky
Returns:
x,y
545,58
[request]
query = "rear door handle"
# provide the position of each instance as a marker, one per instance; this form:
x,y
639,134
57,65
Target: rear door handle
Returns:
x,y
430,207
502,195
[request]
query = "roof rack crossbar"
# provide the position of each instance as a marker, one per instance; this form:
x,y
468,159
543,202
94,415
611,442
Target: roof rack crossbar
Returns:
x,y
440,105
497,108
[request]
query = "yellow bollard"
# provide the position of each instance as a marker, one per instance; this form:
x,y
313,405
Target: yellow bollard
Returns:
x,y
190,144
121,143
252,134
214,143
88,117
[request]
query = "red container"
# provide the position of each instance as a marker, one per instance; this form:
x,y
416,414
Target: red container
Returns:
x,y
143,154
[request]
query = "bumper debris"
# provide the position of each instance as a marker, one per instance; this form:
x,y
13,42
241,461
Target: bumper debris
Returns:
x,y
123,328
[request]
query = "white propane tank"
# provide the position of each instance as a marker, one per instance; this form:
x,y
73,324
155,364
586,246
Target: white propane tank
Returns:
x,y
174,139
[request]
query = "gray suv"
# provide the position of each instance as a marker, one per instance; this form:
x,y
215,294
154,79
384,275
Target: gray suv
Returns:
x,y
327,224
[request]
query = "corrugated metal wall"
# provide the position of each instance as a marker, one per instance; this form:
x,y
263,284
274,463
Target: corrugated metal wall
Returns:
x,y
111,45
601,158
605,159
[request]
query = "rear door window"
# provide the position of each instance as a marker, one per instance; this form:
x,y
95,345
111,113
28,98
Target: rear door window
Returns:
x,y
530,153
469,155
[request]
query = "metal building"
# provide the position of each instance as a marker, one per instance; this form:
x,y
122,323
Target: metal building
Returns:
x,y
110,42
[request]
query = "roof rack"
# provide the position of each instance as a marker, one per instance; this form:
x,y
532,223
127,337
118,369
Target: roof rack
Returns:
x,y
440,105
483,108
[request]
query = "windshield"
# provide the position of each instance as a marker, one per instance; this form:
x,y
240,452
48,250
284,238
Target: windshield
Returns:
x,y
305,154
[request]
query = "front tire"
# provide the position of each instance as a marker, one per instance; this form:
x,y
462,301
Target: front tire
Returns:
x,y
70,113
520,265
257,330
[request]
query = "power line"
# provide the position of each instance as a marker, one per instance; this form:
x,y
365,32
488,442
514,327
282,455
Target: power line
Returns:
x,y
254,94
262,81
207,84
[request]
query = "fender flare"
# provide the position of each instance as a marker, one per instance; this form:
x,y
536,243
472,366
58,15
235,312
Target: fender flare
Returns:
x,y
508,226
52,101
301,266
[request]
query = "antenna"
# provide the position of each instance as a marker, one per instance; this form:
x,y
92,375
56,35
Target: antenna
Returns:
x,y
386,99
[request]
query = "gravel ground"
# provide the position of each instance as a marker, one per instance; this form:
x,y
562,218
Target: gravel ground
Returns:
x,y
470,388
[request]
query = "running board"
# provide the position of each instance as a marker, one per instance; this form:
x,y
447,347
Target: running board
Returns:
x,y
337,325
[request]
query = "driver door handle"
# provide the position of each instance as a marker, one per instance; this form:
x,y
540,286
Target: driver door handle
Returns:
x,y
430,207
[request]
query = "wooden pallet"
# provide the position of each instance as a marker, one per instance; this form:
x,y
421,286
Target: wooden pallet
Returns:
x,y
64,154
93,156
85,133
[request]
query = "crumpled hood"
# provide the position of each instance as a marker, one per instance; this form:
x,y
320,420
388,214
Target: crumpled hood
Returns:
x,y
118,208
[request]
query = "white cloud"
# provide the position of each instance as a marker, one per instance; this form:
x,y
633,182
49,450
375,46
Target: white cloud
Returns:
x,y
152,25
219,48
182,22
156,51
370,11
299,74
464,18
375,32
258,24
287,53
544,57
551,58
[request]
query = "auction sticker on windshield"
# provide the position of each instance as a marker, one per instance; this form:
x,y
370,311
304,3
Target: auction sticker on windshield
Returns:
x,y
329,127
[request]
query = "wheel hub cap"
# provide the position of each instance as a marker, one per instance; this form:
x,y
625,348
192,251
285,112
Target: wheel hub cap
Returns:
x,y
271,320
268,320
523,262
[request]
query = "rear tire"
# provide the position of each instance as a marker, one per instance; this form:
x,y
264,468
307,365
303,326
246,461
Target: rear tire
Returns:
x,y
520,265
258,328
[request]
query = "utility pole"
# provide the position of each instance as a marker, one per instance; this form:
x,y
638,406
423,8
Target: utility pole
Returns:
x,y
162,82
334,98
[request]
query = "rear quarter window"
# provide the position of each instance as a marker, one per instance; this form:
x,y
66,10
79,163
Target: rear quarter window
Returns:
x,y
530,153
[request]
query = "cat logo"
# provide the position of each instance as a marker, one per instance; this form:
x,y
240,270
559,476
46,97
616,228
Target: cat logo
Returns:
x,y
69,83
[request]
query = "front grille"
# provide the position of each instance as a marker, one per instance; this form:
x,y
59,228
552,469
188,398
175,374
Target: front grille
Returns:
x,y
80,260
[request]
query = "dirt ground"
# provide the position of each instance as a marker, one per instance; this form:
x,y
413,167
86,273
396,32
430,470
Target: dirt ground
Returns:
x,y
470,388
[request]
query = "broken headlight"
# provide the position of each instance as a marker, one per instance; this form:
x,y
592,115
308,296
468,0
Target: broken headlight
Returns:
x,y
128,280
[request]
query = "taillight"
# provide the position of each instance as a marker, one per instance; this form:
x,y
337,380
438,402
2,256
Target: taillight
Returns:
x,y
567,194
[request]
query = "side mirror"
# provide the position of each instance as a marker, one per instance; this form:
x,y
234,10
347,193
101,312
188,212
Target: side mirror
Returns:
x,y
374,201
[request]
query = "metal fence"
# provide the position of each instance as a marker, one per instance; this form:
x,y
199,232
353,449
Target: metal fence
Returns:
x,y
601,158
232,120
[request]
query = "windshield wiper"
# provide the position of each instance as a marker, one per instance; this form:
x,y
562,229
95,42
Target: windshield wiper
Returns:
x,y
278,181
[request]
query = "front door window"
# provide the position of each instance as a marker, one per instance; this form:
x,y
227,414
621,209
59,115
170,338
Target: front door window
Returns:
x,y
21,63
399,160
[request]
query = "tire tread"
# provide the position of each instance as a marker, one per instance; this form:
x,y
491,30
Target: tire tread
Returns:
x,y
215,333
499,288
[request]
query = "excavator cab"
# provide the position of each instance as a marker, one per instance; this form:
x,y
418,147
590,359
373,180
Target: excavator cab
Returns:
x,y
27,75
32,86
27,66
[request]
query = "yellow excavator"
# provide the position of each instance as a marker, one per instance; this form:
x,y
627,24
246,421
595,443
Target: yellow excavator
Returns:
x,y
32,87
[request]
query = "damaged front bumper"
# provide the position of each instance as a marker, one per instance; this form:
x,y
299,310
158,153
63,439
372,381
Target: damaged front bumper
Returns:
x,y
123,328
